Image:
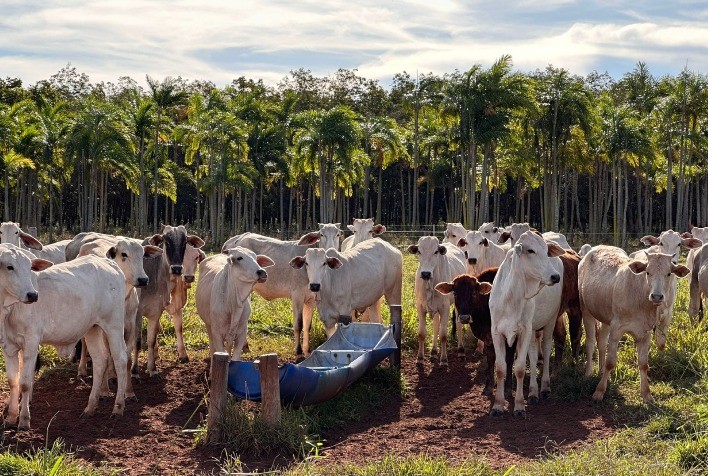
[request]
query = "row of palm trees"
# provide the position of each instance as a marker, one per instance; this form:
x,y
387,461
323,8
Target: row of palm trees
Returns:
x,y
596,154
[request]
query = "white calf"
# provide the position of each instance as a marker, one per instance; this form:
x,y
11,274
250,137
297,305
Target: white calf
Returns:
x,y
363,229
482,253
453,233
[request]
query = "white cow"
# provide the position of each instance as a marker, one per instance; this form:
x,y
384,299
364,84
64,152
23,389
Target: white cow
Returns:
x,y
128,254
453,233
698,289
285,282
699,234
437,262
491,231
558,238
482,253
224,296
668,242
363,229
524,287
513,232
352,280
585,249
623,295
80,298
10,232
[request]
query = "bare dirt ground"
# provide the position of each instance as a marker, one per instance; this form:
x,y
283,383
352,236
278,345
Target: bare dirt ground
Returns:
x,y
443,414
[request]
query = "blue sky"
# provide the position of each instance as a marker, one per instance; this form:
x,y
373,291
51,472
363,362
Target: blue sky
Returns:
x,y
221,40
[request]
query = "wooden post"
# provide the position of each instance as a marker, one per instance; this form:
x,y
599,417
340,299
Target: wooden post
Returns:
x,y
217,394
32,230
397,322
267,365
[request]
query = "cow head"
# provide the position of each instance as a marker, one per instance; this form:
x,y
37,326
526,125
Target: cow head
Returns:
x,y
467,291
699,233
128,254
246,266
173,241
474,245
192,257
364,229
10,232
514,232
454,232
670,242
531,253
490,231
330,234
317,261
657,269
429,250
17,282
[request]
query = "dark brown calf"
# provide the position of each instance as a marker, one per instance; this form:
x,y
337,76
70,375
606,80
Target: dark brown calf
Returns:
x,y
570,305
472,307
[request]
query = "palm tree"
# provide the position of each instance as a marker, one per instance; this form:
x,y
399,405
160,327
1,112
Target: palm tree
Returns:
x,y
12,127
140,122
166,95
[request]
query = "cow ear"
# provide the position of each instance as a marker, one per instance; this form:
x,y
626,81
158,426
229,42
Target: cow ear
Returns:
x,y
39,264
264,261
485,288
461,243
444,288
297,262
554,250
495,229
442,249
686,234
680,270
518,249
650,240
504,237
309,238
351,228
691,242
379,229
195,241
30,241
202,256
485,242
151,251
638,267
156,240
111,253
413,249
333,262
532,230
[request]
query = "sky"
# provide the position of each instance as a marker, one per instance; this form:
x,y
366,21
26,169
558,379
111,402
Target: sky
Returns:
x,y
265,39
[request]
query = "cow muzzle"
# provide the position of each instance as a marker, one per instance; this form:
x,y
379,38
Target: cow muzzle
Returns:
x,y
315,287
142,282
31,297
472,260
188,279
345,319
656,299
176,269
465,318
555,278
262,275
426,275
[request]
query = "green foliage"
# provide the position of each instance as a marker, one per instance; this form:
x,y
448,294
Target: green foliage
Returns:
x,y
56,460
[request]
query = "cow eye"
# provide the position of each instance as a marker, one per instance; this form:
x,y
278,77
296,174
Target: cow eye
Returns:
x,y
17,232
124,255
239,258
481,242
11,268
532,252
486,231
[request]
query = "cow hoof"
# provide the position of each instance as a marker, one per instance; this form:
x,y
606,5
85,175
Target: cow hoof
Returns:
x,y
183,360
155,374
23,428
86,415
443,363
486,391
136,378
533,399
477,355
495,412
113,382
115,416
104,398
649,400
545,394
434,351
299,358
131,398
134,370
520,413
597,396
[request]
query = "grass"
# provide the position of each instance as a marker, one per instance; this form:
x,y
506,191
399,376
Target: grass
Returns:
x,y
669,437
57,460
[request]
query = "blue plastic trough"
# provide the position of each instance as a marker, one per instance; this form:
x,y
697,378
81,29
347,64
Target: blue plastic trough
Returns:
x,y
345,357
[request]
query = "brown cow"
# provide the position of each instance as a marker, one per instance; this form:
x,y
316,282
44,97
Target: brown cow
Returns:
x,y
570,305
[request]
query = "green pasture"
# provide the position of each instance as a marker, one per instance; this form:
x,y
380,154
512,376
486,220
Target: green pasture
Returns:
x,y
669,437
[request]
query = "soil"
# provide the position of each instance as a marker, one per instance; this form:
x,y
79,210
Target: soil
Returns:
x,y
443,414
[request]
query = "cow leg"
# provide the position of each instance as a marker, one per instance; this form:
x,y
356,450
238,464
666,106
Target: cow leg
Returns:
x,y
533,371
444,317
94,341
479,350
460,334
610,362
26,383
436,333
500,373
241,330
83,361
694,303
602,336
119,352
545,376
559,336
179,334
153,329
643,345
575,321
522,349
590,325
137,344
12,370
374,312
489,381
422,334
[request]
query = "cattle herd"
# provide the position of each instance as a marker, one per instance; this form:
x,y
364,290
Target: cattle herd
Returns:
x,y
513,286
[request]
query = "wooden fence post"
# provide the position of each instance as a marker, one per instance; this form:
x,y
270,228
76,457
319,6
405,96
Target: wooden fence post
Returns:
x,y
397,322
32,230
217,394
267,365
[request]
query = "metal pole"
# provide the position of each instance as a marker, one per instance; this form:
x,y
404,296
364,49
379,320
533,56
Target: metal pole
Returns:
x,y
397,323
